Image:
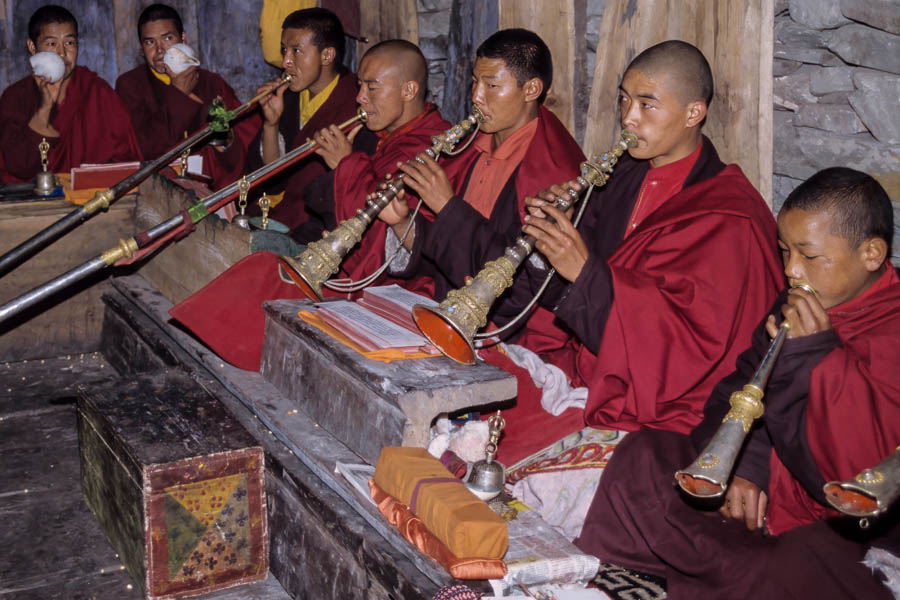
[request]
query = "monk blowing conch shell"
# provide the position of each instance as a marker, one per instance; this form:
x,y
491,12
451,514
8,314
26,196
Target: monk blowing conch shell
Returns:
x,y
48,65
180,57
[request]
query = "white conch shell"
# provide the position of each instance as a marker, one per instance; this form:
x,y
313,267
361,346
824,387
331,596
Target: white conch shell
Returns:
x,y
49,65
180,57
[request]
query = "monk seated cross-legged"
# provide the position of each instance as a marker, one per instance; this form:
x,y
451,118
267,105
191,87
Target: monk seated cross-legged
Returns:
x,y
79,115
831,410
166,106
661,282
227,313
321,93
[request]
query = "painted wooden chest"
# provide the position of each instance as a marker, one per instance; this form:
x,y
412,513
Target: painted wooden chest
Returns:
x,y
176,483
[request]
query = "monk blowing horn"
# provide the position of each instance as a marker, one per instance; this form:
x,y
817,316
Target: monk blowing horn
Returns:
x,y
870,493
707,477
132,249
221,120
451,326
322,259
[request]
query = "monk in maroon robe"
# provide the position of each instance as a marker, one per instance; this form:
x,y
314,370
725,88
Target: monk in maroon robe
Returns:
x,y
831,411
671,266
321,93
226,314
165,107
80,116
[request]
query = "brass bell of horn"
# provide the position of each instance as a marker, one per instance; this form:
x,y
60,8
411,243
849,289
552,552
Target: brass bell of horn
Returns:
x,y
322,259
451,326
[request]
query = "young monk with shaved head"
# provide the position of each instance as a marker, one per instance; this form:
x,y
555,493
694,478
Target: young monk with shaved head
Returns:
x,y
831,410
227,313
671,266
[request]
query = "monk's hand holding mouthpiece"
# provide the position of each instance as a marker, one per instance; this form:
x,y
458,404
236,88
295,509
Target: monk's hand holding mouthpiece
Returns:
x,y
745,501
559,242
804,313
186,82
334,146
428,180
273,104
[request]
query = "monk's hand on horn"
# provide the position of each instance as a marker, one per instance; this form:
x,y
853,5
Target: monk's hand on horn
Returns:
x,y
559,242
272,105
803,312
428,180
746,502
334,146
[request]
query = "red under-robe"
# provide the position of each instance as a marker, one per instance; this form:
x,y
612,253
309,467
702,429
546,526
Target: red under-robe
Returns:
x,y
832,409
161,115
226,313
340,106
93,124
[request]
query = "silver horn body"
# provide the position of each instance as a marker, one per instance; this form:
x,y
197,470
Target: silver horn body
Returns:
x,y
871,492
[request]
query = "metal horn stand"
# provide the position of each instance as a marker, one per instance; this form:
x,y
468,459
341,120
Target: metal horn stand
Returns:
x,y
322,259
451,326
707,477
869,494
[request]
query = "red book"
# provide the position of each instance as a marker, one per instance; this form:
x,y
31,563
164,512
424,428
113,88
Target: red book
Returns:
x,y
101,176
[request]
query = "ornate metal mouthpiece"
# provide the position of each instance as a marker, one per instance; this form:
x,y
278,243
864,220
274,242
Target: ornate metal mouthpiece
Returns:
x,y
322,259
451,327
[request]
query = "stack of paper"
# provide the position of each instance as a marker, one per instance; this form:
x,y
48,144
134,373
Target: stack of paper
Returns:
x,y
366,328
394,303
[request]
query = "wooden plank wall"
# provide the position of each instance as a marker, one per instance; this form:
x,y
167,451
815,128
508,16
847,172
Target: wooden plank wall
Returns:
x,y
735,36
388,19
555,23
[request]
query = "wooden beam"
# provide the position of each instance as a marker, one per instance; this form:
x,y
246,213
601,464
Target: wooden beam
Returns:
x,y
554,22
388,19
736,37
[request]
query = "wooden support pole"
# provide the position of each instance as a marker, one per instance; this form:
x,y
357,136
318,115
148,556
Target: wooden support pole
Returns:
x,y
388,19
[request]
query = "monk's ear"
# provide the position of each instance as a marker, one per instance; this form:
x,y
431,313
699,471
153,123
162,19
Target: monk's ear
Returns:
x,y
696,112
409,91
328,55
873,252
533,88
32,49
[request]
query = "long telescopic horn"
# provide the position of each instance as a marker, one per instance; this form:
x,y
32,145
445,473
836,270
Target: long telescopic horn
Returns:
x,y
126,249
322,259
707,477
870,493
451,326
104,198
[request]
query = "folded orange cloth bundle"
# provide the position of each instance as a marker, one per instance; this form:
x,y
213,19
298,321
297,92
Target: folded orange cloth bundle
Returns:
x,y
412,528
462,522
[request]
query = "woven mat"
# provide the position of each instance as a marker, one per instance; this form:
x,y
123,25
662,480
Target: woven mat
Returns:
x,y
622,584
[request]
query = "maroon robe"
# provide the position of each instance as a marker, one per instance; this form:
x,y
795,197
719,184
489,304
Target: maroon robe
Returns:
x,y
831,410
93,124
226,313
162,114
340,106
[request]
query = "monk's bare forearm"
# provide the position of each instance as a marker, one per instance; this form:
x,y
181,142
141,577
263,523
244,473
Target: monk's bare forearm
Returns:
x,y
270,150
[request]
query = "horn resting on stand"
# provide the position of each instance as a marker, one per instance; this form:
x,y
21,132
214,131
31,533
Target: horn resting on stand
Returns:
x,y
451,326
322,259
707,477
869,494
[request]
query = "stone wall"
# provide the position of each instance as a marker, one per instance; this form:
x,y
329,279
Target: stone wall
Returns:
x,y
837,92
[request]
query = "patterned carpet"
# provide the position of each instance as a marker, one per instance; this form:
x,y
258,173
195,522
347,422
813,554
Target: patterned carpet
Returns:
x,y
622,584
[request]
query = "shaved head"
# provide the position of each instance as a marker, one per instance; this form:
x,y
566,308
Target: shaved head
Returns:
x,y
408,60
681,66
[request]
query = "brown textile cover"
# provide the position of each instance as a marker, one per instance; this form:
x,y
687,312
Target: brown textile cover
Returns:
x,y
465,524
412,528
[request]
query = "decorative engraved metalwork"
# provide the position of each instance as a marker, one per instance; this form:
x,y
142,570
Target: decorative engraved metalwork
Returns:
x,y
241,220
101,201
45,182
323,258
464,311
870,493
746,406
124,249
